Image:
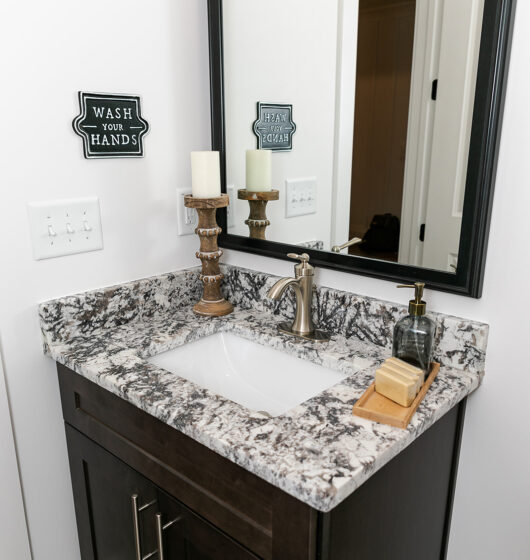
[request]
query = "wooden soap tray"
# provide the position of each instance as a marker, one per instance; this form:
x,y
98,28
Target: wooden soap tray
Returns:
x,y
378,408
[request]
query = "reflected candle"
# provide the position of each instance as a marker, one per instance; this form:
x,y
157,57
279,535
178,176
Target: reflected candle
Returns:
x,y
259,170
205,175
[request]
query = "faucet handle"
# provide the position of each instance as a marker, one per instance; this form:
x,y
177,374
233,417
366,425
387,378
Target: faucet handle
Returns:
x,y
303,268
303,258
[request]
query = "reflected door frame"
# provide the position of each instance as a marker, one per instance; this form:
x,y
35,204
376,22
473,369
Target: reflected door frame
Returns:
x,y
434,184
420,129
451,133
344,118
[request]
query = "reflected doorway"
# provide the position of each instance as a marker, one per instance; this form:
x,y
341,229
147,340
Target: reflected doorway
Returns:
x,y
383,81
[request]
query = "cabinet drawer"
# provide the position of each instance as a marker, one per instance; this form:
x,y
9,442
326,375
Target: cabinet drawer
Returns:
x,y
226,495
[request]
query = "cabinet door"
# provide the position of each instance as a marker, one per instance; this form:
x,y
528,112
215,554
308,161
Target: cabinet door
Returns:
x,y
110,523
103,489
189,537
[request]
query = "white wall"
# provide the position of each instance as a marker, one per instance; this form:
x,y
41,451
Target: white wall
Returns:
x,y
491,510
280,52
50,50
13,530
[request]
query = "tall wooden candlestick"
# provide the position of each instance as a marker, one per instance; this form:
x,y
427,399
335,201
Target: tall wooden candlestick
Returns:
x,y
257,220
212,303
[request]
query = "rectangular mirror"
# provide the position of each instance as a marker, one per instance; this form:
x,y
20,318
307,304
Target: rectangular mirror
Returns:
x,y
381,118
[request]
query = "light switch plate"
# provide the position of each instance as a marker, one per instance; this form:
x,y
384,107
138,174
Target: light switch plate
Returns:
x,y
65,227
187,218
301,197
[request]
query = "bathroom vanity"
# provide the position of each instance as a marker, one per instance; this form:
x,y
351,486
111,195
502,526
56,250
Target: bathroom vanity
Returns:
x,y
167,464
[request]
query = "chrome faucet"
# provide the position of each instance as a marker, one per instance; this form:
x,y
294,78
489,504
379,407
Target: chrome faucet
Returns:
x,y
302,284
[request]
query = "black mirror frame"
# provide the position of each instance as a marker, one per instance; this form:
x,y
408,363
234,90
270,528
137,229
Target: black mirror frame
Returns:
x,y
492,74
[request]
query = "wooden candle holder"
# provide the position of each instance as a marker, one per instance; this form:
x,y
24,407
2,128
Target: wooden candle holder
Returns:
x,y
257,220
212,303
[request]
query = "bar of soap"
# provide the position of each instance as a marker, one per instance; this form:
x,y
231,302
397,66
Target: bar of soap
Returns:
x,y
396,386
405,365
404,368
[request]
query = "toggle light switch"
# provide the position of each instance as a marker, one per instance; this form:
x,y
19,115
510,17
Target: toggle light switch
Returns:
x,y
65,227
301,197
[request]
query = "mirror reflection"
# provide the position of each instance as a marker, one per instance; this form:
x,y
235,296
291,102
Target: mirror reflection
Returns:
x,y
361,111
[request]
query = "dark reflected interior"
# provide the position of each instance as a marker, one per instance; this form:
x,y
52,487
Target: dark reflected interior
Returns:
x,y
383,77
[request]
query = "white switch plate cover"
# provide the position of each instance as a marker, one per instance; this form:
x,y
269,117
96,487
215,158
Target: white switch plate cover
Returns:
x,y
65,227
230,211
301,197
187,218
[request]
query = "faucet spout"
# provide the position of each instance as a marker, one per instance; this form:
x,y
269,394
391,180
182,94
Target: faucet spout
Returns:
x,y
302,284
302,287
280,286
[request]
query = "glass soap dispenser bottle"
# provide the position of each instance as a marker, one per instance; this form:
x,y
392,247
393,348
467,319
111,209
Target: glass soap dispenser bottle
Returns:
x,y
414,334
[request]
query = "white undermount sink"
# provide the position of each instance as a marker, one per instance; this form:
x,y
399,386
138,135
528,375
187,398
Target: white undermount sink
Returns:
x,y
258,377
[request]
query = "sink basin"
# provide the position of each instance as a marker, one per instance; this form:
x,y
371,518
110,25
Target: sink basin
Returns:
x,y
258,377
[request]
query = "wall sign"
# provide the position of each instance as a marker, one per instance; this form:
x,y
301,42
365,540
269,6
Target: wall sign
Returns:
x,y
275,127
111,125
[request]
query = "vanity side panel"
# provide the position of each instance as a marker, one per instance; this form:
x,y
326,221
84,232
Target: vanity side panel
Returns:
x,y
294,529
404,510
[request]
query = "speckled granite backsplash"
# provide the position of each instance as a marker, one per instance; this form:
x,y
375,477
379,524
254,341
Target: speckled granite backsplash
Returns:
x,y
460,343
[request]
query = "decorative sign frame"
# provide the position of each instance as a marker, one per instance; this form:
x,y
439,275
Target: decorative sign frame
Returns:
x,y
111,125
274,127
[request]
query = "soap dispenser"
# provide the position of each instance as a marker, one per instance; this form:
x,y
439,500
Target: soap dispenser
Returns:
x,y
414,334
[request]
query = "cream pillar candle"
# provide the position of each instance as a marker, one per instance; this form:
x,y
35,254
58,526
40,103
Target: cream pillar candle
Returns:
x,y
259,170
205,175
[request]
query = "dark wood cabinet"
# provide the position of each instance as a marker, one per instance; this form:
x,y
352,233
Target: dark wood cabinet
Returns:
x,y
118,511
207,508
103,491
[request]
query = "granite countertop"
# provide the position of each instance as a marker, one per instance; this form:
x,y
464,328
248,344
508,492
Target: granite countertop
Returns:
x,y
318,451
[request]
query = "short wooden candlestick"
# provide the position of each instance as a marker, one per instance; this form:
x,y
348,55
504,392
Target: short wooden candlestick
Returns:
x,y
257,220
212,303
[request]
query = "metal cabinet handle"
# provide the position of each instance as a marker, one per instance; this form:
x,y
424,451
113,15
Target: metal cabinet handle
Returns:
x,y
136,525
160,528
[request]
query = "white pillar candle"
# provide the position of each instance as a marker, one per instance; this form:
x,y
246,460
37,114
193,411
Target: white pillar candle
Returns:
x,y
259,170
205,175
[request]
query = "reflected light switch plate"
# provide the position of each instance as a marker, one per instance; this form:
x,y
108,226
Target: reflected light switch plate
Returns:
x,y
65,227
301,197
